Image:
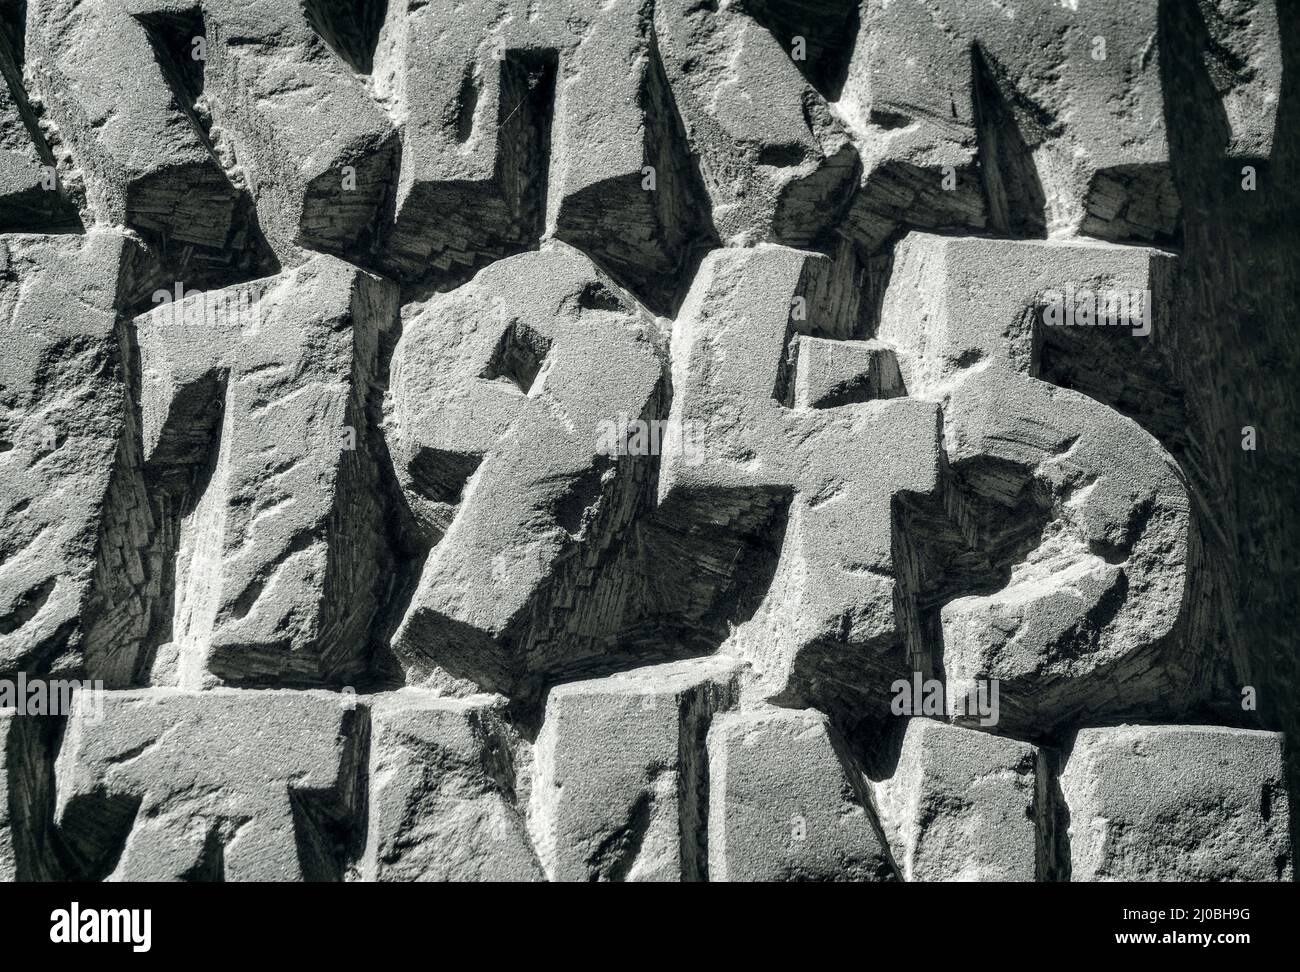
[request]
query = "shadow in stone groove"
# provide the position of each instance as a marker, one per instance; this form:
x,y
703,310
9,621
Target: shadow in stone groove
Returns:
x,y
1054,859
613,859
829,29
176,478
705,577
32,745
1237,354
13,28
440,479
453,229
94,832
877,744
646,239
330,826
210,868
987,516
349,27
241,252
43,208
1017,206
173,35
1133,375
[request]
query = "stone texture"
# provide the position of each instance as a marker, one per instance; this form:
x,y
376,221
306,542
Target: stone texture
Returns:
x,y
442,793
31,197
257,457
787,804
1096,589
300,123
1065,105
498,393
619,791
63,411
826,628
30,848
8,859
141,157
777,165
832,373
261,107
964,805
499,105
225,785
612,403
1177,803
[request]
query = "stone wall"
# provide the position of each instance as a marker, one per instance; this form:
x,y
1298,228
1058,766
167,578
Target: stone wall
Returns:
x,y
634,440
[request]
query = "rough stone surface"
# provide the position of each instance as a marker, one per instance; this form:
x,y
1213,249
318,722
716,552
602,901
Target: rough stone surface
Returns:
x,y
442,793
1078,511
499,107
63,412
28,844
826,626
498,392
648,439
964,805
786,803
227,785
1066,113
1177,803
142,159
619,791
273,528
30,193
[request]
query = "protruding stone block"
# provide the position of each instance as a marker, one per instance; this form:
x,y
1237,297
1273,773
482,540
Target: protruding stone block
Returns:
x,y
442,793
964,805
1086,613
1086,610
618,793
222,785
1066,103
787,804
319,154
258,453
31,197
63,413
956,303
820,482
500,104
174,110
500,393
1177,803
144,160
778,165
832,373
